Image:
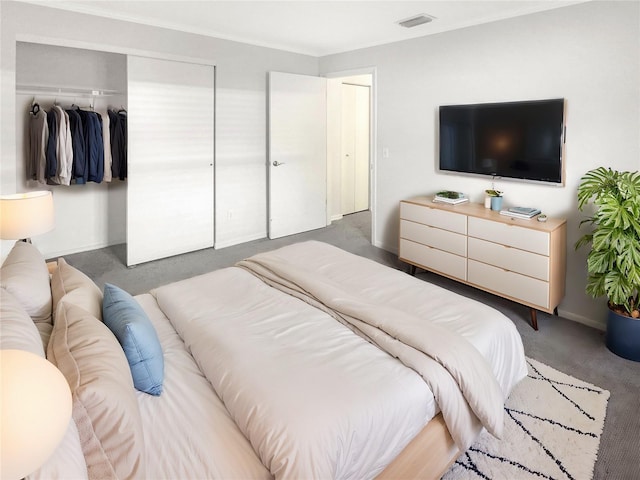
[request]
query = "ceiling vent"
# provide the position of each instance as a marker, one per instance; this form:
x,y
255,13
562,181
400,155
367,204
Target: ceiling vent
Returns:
x,y
415,20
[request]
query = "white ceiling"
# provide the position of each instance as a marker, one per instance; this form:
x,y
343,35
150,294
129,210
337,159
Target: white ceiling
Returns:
x,y
315,28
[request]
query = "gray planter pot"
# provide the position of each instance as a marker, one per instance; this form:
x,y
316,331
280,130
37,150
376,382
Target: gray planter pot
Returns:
x,y
623,336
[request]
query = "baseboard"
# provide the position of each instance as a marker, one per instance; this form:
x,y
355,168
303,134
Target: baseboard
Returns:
x,y
336,217
589,322
386,247
70,251
237,241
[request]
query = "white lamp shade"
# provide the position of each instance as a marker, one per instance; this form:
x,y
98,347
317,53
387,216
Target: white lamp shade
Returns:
x,y
26,215
35,405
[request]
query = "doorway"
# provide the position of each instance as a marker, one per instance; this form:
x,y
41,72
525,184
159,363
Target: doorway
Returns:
x,y
351,148
355,148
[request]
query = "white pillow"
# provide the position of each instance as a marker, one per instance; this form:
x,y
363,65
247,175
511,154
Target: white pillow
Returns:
x,y
25,275
18,332
75,287
105,408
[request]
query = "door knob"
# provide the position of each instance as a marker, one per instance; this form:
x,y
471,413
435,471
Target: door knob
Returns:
x,y
277,164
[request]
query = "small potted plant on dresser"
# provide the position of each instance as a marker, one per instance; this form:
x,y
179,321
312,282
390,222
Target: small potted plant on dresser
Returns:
x,y
613,262
496,198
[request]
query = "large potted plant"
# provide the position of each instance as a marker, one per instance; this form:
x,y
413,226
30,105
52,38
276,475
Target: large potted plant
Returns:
x,y
613,263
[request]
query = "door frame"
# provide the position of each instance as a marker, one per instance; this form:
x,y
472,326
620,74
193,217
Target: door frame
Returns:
x,y
373,153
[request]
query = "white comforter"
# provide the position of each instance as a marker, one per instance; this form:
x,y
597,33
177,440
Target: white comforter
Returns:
x,y
188,432
460,378
314,399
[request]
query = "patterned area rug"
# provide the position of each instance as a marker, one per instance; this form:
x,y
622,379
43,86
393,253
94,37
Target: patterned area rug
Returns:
x,y
552,425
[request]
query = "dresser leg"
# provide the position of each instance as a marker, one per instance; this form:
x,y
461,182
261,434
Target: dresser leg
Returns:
x,y
555,311
412,270
534,318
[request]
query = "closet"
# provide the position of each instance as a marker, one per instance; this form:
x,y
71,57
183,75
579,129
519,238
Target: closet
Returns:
x,y
86,216
165,206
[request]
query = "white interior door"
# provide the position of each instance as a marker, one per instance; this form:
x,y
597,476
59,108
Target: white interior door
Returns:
x,y
170,152
355,148
297,154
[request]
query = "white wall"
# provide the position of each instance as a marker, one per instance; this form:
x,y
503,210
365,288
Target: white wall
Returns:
x,y
587,53
241,76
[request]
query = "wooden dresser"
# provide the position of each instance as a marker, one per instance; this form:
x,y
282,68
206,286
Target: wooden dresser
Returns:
x,y
519,259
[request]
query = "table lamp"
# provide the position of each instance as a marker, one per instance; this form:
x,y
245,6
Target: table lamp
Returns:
x,y
24,215
35,409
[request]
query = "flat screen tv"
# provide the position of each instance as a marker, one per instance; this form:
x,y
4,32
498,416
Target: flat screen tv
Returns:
x,y
512,140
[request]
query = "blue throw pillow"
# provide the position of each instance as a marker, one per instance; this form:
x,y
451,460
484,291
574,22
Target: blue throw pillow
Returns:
x,y
129,323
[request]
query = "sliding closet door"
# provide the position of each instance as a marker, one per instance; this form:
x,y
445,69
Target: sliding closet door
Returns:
x,y
170,181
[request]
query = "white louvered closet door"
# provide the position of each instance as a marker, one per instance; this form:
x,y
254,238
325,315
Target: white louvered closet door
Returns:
x,y
170,191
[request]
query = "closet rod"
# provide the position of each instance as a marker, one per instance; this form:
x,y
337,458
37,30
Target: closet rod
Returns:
x,y
64,91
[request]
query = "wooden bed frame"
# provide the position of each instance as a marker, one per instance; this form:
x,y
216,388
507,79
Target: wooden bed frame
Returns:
x,y
428,456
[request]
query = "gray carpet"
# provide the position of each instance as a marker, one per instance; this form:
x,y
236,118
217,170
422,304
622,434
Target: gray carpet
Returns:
x,y
562,344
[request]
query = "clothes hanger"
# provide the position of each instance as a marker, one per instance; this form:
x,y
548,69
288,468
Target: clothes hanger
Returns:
x,y
35,107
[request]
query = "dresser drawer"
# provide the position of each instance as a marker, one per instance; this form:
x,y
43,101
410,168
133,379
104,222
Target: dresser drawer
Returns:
x,y
433,259
454,222
434,237
514,259
514,285
511,235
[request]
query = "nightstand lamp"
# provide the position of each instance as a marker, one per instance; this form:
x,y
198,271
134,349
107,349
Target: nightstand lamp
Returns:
x,y
25,215
35,409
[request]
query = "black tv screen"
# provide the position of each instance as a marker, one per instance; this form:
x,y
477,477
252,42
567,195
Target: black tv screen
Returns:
x,y
518,140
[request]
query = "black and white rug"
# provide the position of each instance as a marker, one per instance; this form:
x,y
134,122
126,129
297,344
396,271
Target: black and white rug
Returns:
x,y
552,426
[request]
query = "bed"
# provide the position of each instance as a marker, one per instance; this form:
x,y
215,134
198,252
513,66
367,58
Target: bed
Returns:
x,y
302,362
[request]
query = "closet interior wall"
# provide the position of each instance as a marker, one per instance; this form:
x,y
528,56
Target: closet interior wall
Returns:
x,y
87,216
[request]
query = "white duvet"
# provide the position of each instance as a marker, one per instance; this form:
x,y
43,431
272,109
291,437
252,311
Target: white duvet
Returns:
x,y
314,399
188,432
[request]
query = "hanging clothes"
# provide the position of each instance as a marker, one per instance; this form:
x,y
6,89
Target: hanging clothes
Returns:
x,y
93,146
106,141
51,163
77,140
64,149
118,124
37,144
96,169
75,145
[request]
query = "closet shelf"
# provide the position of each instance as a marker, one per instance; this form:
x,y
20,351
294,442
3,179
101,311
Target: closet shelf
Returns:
x,y
64,91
